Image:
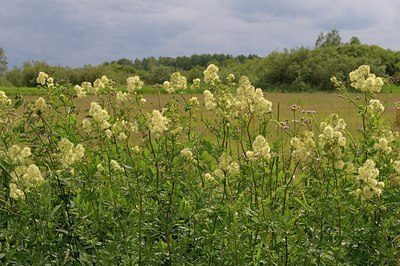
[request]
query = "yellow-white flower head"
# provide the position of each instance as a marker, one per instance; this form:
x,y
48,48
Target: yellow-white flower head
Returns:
x,y
159,123
361,79
134,84
211,75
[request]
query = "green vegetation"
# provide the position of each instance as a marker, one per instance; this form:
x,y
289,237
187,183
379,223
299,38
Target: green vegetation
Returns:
x,y
90,175
298,69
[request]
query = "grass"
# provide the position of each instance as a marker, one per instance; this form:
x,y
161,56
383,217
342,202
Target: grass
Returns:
x,y
322,103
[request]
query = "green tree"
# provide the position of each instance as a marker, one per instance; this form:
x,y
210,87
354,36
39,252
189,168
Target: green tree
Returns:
x,y
3,61
355,40
332,38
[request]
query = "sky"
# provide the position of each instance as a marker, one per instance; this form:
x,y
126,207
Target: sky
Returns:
x,y
75,33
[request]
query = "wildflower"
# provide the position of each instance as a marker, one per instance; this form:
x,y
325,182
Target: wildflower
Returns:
x,y
23,179
121,97
382,145
122,137
249,99
115,166
109,133
302,147
209,100
219,173
18,155
363,80
102,83
100,168
87,126
134,84
87,86
186,153
80,92
143,100
69,153
15,192
159,123
42,78
208,177
99,115
211,74
4,100
195,84
32,176
375,107
230,78
261,147
136,149
194,101
226,165
40,105
177,82
368,174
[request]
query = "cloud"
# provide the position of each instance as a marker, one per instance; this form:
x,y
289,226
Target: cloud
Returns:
x,y
78,32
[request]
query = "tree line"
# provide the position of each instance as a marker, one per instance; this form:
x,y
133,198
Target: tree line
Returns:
x,y
297,69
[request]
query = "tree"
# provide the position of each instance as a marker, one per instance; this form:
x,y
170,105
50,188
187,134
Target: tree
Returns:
x,y
3,61
355,40
332,38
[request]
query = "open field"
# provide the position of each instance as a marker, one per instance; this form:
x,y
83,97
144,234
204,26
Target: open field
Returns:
x,y
321,102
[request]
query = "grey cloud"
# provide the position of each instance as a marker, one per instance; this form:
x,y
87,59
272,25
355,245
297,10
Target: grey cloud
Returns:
x,y
78,32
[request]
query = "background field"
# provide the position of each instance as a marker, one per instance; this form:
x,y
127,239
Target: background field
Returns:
x,y
322,103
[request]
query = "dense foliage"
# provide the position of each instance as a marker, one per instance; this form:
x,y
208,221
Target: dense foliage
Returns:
x,y
113,184
296,69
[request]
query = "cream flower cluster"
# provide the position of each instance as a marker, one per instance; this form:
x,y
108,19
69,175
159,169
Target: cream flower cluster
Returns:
x,y
4,100
159,123
80,92
18,155
44,79
250,99
195,84
211,75
40,105
186,153
261,149
122,97
230,78
368,174
383,146
303,147
86,88
25,175
23,179
99,115
331,140
69,153
116,166
226,166
361,79
102,83
332,132
375,107
209,100
177,83
134,84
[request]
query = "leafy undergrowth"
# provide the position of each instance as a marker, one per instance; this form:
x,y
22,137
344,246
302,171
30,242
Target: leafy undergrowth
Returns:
x,y
130,186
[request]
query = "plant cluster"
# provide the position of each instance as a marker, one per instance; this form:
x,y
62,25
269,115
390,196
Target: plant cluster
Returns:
x,y
216,181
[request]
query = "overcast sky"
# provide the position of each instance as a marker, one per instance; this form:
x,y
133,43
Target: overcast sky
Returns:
x,y
78,32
